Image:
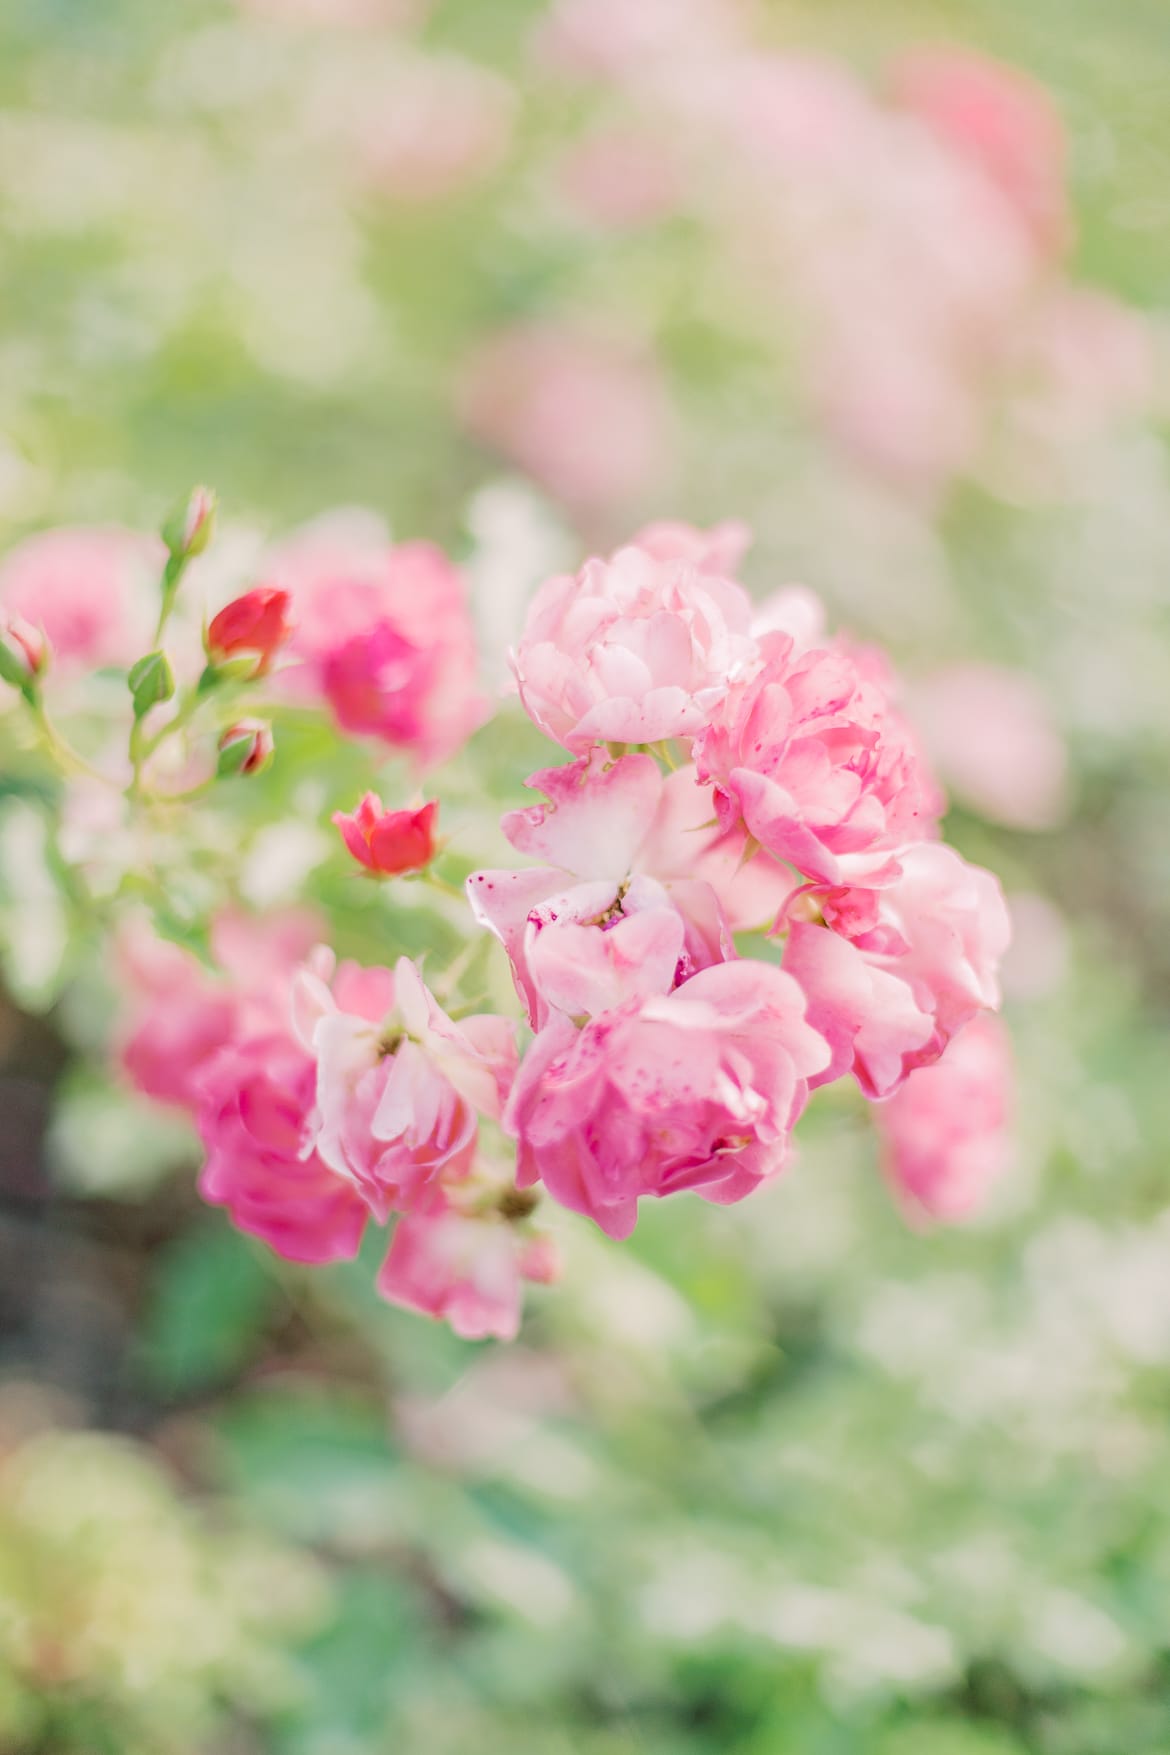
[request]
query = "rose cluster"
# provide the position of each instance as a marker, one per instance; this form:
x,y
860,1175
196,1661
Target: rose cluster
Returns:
x,y
734,892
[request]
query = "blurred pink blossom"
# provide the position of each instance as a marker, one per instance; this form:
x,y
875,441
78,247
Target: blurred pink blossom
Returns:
x,y
586,416
946,1135
1003,122
621,178
466,1270
995,742
429,127
179,1012
610,39
254,1114
92,591
384,634
345,13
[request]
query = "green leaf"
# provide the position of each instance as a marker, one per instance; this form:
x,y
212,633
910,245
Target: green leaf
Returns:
x,y
211,1301
151,680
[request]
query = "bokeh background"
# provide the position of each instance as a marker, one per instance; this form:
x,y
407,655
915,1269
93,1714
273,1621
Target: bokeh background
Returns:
x,y
791,1477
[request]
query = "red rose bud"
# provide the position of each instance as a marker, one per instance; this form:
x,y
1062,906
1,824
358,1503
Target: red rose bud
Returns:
x,y
245,748
189,529
256,625
24,652
389,842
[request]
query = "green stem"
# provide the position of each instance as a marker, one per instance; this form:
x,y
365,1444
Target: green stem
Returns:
x,y
63,753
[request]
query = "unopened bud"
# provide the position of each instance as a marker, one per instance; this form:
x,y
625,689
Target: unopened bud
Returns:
x,y
246,747
250,631
191,526
24,653
151,680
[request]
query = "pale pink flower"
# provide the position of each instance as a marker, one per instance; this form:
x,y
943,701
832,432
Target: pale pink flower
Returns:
x,y
345,13
587,416
179,1012
947,1133
1003,122
92,591
430,126
718,550
992,736
893,974
384,634
610,39
399,1086
465,1270
629,899
255,1112
698,1089
621,178
631,650
810,754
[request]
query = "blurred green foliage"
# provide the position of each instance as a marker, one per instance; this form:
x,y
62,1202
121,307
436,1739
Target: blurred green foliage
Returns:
x,y
783,1480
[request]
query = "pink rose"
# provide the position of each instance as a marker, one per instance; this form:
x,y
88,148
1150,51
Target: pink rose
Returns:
x,y
718,550
698,1089
946,1134
588,416
254,1116
399,1086
628,901
384,634
895,973
631,650
809,753
92,591
180,1012
466,1270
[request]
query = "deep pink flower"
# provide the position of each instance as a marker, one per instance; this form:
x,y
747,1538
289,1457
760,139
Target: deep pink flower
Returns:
x,y
399,1086
254,1116
388,841
809,753
632,896
631,650
180,1012
895,973
93,592
698,1089
384,634
466,1270
946,1134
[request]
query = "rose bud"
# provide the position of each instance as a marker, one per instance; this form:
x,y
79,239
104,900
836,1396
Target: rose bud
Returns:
x,y
246,747
389,842
189,529
253,626
24,652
